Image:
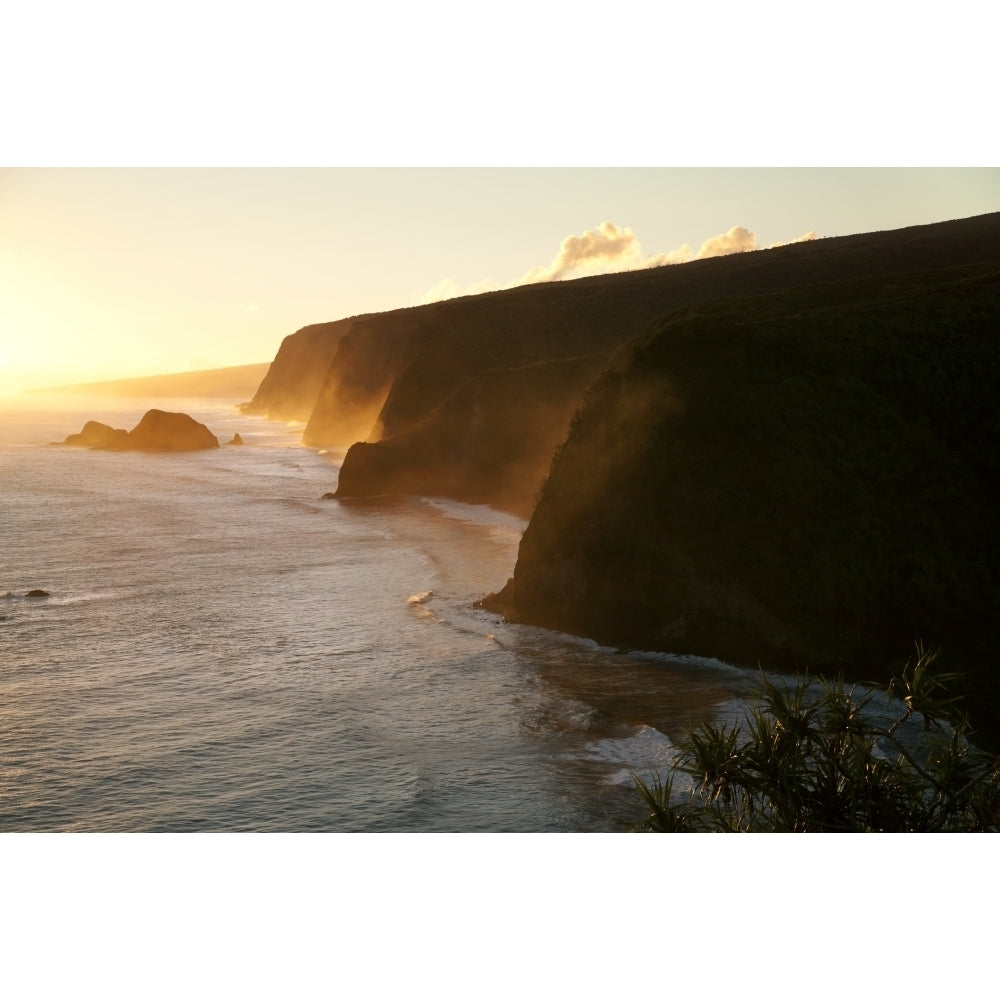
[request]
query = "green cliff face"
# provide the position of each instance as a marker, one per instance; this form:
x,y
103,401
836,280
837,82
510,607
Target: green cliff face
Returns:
x,y
808,479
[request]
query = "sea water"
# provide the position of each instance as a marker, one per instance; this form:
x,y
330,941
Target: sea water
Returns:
x,y
223,649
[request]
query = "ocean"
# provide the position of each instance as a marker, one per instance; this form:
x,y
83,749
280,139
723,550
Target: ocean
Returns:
x,y
222,649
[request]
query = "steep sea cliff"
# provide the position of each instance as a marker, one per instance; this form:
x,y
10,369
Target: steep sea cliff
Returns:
x,y
455,397
786,456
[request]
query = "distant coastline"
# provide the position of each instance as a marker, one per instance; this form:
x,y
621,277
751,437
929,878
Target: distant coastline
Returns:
x,y
239,382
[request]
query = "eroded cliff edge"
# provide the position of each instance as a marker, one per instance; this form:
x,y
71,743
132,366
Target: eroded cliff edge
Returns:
x,y
470,397
808,480
295,377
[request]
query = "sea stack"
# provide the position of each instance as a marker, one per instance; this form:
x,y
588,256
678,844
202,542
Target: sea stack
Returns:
x,y
99,436
157,431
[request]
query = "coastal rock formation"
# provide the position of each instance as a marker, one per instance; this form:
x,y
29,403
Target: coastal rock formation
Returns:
x,y
293,381
162,431
370,358
158,430
490,441
100,436
808,479
443,396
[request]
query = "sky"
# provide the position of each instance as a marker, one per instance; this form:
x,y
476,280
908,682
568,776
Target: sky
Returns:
x,y
115,272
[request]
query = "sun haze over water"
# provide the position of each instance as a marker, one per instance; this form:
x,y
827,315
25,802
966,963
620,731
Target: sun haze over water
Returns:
x,y
115,273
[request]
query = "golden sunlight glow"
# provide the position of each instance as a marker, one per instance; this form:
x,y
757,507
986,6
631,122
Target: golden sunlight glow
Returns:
x,y
120,273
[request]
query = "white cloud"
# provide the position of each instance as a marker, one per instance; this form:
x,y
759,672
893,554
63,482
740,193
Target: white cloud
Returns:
x,y
736,240
606,249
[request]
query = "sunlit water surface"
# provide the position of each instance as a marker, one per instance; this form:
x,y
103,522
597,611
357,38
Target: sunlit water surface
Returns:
x,y
225,650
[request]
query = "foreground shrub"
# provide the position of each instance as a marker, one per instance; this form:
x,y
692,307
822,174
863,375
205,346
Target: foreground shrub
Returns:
x,y
824,757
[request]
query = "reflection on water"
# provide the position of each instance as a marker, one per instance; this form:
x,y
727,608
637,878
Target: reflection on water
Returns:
x,y
224,649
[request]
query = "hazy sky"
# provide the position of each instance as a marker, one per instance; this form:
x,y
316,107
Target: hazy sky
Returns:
x,y
108,273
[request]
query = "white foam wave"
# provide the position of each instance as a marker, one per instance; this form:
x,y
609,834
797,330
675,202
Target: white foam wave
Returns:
x,y
647,752
700,663
421,598
80,598
479,514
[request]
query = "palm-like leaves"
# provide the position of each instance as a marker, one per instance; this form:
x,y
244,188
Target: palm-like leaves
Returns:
x,y
811,759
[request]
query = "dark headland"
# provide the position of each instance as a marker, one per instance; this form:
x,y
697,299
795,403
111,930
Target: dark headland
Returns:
x,y
789,456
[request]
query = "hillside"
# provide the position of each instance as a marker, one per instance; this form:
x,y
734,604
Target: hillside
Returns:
x,y
804,479
294,379
788,456
422,387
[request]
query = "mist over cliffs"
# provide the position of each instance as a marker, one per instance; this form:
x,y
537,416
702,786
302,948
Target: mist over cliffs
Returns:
x,y
809,479
787,457
294,379
470,397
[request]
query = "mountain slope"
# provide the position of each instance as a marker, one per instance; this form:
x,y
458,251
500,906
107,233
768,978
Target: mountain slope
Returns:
x,y
398,375
808,479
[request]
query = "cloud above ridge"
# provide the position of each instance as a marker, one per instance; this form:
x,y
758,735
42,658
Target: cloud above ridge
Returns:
x,y
607,249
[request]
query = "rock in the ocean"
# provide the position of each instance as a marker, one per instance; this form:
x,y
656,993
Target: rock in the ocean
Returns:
x,y
157,431
100,436
37,593
162,431
236,439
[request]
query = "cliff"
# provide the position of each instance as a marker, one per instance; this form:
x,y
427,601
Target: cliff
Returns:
x,y
294,379
368,360
489,441
441,395
806,479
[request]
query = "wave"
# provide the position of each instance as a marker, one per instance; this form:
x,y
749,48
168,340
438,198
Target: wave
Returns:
x,y
700,663
647,752
48,597
479,514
